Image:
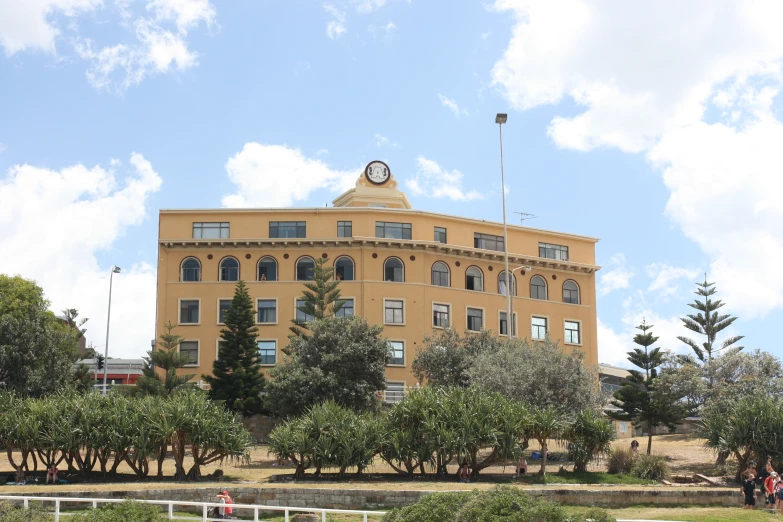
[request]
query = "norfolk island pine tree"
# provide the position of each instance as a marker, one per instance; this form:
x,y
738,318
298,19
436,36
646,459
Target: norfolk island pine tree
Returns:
x,y
236,373
321,297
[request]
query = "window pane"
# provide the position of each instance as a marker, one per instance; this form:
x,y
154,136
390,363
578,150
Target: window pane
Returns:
x,y
285,229
223,305
538,328
572,332
210,230
346,310
229,270
267,269
300,315
475,319
267,311
392,230
440,234
190,348
191,270
188,311
304,269
397,349
344,229
343,269
267,352
440,315
394,312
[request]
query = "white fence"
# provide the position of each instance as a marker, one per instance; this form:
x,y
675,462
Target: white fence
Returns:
x,y
242,510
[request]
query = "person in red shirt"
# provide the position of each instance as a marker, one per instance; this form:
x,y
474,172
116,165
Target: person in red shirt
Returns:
x,y
221,511
769,490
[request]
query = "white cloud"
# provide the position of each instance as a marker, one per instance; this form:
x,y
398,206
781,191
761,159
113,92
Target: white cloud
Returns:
x,y
644,75
335,28
618,277
381,141
452,106
186,13
68,218
276,176
665,277
26,24
368,6
434,181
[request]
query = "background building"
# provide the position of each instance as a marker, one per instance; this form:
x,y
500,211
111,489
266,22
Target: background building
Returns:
x,y
411,271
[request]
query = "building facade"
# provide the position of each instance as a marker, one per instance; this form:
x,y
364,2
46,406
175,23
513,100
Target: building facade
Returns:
x,y
413,272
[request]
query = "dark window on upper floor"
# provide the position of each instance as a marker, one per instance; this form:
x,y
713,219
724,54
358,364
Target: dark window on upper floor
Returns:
x,y
343,269
210,230
287,229
392,230
548,251
229,269
267,269
488,242
191,270
440,234
344,229
305,266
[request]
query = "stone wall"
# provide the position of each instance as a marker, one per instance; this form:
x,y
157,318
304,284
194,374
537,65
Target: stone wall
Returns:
x,y
376,499
259,426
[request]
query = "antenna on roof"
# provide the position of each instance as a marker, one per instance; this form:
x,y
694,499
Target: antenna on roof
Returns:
x,y
524,216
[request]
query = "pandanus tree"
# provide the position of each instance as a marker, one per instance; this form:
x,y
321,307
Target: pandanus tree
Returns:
x,y
591,435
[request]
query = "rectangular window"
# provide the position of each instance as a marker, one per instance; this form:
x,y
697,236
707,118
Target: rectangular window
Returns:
x,y
395,391
278,229
190,348
210,230
548,251
538,328
488,242
394,313
223,305
344,229
440,315
188,311
397,349
346,310
267,352
267,311
392,230
475,319
440,234
302,317
504,324
572,334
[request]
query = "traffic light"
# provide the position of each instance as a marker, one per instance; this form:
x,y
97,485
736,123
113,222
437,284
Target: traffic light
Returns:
x,y
99,359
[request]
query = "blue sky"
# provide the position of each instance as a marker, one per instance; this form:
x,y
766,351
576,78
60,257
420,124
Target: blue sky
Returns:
x,y
652,129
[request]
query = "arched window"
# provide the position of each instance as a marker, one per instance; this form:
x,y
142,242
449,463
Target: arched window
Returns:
x,y
304,268
229,269
474,279
191,269
502,283
343,269
440,274
267,269
394,270
538,288
570,292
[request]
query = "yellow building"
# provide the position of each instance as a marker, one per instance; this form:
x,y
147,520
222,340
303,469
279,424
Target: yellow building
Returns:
x,y
413,272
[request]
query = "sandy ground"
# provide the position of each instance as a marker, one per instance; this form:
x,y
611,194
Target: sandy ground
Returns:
x,y
687,455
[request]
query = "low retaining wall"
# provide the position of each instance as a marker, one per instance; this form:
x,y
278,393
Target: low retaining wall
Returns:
x,y
373,499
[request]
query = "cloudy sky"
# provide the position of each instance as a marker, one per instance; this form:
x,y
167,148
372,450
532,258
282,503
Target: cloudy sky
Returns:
x,y
655,126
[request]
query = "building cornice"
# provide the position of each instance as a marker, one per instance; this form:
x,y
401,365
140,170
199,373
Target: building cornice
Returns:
x,y
317,210
431,246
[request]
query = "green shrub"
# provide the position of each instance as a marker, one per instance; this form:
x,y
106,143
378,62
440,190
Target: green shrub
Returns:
x,y
36,513
124,512
620,460
438,507
501,504
651,467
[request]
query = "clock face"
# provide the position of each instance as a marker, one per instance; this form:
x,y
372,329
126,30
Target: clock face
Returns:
x,y
377,172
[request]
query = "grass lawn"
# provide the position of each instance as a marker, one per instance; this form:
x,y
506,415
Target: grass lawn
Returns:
x,y
689,514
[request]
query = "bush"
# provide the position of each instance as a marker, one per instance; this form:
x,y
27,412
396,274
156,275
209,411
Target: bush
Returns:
x,y
124,512
620,461
439,507
35,513
651,467
501,504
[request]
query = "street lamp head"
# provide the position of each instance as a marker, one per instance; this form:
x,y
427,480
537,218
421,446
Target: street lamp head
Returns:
x,y
116,269
501,118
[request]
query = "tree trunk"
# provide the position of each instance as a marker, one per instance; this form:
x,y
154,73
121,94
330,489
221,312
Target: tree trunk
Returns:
x,y
542,471
161,458
649,436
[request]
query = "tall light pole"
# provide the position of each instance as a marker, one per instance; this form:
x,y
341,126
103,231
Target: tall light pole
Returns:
x,y
500,119
114,270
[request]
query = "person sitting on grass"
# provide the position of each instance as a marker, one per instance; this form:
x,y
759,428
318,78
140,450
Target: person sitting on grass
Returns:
x,y
749,490
464,472
51,473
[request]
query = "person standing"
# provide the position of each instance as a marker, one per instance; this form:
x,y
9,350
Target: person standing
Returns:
x,y
635,447
749,491
779,494
769,490
521,466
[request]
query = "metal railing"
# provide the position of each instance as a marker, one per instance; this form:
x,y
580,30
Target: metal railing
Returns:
x,y
254,509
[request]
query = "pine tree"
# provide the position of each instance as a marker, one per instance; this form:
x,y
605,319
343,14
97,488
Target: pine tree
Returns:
x,y
639,399
167,358
707,322
321,297
236,374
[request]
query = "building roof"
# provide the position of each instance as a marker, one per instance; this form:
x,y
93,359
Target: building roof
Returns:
x,y
608,369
